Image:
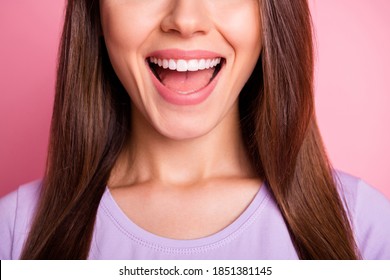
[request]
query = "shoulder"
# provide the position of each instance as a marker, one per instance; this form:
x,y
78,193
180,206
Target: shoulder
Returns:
x,y
16,212
369,212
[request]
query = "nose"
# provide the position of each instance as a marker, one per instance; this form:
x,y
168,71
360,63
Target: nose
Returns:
x,y
186,18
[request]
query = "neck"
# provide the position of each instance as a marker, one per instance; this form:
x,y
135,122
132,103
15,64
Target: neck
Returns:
x,y
151,156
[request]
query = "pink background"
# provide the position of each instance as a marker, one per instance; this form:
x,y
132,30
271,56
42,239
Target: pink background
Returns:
x,y
352,86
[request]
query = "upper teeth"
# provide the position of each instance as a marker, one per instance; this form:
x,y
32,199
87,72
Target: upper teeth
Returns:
x,y
182,65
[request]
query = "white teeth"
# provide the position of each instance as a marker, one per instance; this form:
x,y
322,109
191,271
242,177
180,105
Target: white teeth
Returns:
x,y
208,63
182,65
172,64
165,63
202,64
193,65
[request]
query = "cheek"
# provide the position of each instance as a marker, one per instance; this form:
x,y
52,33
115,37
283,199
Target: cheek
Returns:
x,y
241,26
243,32
130,23
122,38
125,31
122,30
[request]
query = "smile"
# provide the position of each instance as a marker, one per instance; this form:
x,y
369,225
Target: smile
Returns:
x,y
187,80
182,65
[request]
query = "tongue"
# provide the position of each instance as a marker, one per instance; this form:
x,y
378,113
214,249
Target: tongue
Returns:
x,y
185,82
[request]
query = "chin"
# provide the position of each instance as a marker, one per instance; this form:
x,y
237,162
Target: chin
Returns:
x,y
180,131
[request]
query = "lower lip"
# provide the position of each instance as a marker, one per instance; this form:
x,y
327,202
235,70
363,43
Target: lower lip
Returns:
x,y
192,98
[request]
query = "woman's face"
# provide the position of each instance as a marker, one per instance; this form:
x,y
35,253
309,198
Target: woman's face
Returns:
x,y
183,62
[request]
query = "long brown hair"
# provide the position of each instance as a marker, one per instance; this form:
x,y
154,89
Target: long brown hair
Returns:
x,y
91,122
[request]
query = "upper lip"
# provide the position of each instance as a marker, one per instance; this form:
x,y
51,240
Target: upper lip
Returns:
x,y
184,54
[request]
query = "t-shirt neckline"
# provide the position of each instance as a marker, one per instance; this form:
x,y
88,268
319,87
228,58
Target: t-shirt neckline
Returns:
x,y
149,239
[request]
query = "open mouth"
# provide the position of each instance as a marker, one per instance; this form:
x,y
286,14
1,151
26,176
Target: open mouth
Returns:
x,y
185,76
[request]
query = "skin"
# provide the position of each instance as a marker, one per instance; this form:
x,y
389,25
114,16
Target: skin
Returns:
x,y
185,173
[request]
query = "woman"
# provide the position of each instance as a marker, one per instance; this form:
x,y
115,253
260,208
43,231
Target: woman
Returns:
x,y
186,130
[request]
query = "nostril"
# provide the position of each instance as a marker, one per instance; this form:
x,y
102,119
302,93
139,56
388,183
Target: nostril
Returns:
x,y
187,19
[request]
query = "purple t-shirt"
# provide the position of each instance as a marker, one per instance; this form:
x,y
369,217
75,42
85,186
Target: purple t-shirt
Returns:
x,y
258,233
